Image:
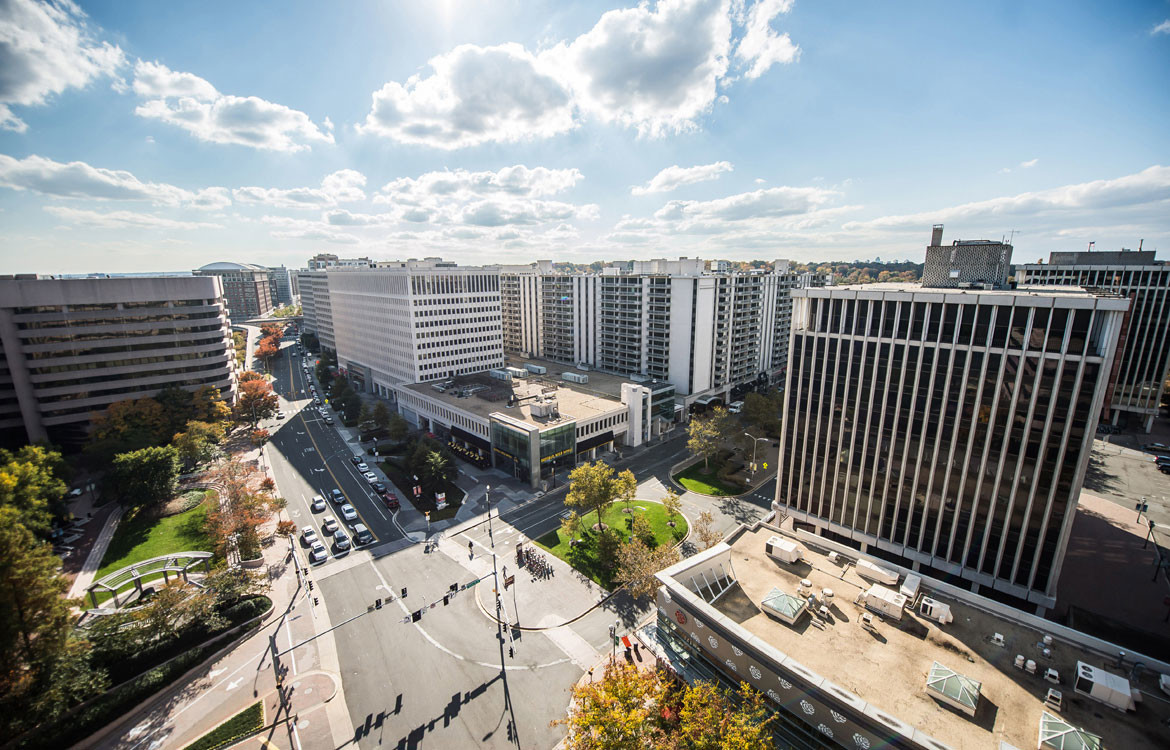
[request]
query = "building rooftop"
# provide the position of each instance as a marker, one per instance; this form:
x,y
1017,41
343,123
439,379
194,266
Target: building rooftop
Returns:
x,y
482,395
1038,290
893,664
224,265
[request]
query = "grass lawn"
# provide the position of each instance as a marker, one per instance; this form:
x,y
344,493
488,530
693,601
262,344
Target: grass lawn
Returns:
x,y
584,558
144,536
696,480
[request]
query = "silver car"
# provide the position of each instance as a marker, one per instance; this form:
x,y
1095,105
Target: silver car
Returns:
x,y
308,535
348,514
318,504
329,524
341,541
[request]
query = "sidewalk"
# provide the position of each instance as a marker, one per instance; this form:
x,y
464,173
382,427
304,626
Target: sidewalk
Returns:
x,y
94,560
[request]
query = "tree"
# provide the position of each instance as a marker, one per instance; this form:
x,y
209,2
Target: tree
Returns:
x,y
177,407
365,414
705,531
243,508
616,712
710,720
127,426
381,415
705,435
638,562
266,349
593,487
251,375
571,525
398,428
198,443
640,528
672,504
207,405
259,437
763,411
34,613
256,401
32,486
146,476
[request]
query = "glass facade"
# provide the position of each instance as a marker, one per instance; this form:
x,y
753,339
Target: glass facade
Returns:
x,y
556,448
510,448
950,433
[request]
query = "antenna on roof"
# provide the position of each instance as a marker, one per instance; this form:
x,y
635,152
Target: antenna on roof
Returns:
x,y
1012,236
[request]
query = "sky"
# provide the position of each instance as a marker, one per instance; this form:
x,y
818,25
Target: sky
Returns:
x,y
146,136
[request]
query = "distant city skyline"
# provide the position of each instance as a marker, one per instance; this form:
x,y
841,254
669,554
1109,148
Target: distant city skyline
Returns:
x,y
139,134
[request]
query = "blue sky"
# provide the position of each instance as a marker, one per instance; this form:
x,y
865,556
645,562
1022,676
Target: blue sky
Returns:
x,y
161,136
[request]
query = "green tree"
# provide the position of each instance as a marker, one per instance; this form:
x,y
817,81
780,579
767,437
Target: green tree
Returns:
x,y
710,720
381,415
365,414
763,411
34,614
616,712
637,562
398,428
672,504
594,487
32,485
571,526
704,438
198,442
145,477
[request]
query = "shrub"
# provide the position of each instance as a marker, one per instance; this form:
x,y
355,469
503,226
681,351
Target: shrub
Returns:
x,y
235,728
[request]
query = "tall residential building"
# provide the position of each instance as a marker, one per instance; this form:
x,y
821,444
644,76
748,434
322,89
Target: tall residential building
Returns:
x,y
1143,362
706,333
326,261
415,322
280,286
245,287
947,429
71,347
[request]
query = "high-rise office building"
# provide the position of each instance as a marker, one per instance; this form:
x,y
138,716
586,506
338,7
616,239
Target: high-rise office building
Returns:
x,y
316,311
706,333
1143,360
413,322
245,287
72,347
280,286
950,429
327,261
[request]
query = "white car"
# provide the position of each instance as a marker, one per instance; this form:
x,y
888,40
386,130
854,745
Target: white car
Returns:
x,y
348,514
329,524
280,415
318,553
318,504
370,476
308,535
362,467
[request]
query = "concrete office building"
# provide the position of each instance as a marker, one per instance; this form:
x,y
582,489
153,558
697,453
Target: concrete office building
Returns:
x,y
965,263
940,668
1143,360
245,287
316,311
535,425
72,347
412,322
707,334
280,286
327,261
947,428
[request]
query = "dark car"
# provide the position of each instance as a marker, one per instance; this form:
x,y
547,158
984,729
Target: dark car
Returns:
x,y
1164,468
379,487
391,500
355,460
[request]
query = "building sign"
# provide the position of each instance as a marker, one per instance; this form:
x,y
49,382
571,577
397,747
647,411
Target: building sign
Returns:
x,y
678,615
440,500
556,455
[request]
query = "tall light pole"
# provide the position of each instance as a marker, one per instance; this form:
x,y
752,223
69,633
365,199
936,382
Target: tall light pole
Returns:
x,y
755,442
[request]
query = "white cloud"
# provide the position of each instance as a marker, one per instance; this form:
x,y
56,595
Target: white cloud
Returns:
x,y
497,212
1029,164
761,47
123,219
45,49
474,95
1149,188
303,229
517,180
80,180
193,104
759,204
342,218
676,176
343,186
656,68
1162,28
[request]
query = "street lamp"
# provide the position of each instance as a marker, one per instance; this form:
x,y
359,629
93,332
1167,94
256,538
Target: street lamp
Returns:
x,y
755,442
613,630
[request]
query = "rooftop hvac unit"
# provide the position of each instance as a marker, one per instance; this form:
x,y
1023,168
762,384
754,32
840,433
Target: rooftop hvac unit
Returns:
x,y
575,377
876,573
501,375
535,369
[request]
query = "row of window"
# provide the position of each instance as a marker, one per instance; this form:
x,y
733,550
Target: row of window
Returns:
x,y
160,317
132,362
435,369
454,343
106,336
447,353
49,411
117,348
137,375
456,321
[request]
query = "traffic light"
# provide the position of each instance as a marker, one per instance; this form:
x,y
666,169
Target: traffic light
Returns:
x,y
403,592
377,604
445,599
453,588
316,601
511,653
310,585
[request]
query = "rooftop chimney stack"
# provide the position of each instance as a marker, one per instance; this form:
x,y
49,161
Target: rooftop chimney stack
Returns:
x,y
936,235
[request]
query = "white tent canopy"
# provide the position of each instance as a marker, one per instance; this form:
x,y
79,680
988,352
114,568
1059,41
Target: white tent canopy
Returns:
x,y
1058,734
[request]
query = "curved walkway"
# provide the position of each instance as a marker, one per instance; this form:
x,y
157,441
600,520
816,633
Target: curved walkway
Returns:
x,y
94,561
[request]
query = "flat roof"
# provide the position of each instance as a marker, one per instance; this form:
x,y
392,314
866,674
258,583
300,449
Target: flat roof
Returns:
x,y
1023,290
888,666
481,395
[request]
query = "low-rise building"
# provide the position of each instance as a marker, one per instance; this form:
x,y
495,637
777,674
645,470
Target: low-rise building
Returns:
x,y
246,288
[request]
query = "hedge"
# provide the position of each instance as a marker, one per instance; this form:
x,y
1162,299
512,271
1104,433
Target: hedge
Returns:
x,y
236,728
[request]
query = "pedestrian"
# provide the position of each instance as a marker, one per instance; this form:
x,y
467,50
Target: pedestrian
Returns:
x,y
591,674
471,549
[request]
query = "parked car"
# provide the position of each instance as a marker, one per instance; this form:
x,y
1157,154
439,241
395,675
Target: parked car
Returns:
x,y
328,419
362,535
329,524
318,504
1161,460
391,500
1156,448
370,476
340,541
348,514
280,415
356,461
1164,468
308,535
318,553
75,492
338,498
379,488
362,467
